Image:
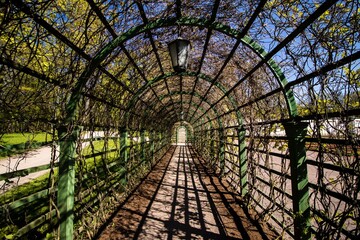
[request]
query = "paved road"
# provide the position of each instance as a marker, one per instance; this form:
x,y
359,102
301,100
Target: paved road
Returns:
x,y
33,158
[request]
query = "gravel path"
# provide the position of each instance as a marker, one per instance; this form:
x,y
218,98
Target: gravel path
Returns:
x,y
181,199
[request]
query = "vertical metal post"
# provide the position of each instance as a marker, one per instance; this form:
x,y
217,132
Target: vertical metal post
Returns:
x,y
296,132
66,185
124,150
124,154
242,161
221,150
152,147
177,136
160,139
203,135
206,138
142,145
212,149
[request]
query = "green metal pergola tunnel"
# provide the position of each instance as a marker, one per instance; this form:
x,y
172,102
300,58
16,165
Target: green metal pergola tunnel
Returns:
x,y
256,138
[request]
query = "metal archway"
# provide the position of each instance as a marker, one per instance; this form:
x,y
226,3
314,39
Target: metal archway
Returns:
x,y
102,54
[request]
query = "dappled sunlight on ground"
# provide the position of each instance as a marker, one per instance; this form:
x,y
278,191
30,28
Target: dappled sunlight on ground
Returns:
x,y
181,199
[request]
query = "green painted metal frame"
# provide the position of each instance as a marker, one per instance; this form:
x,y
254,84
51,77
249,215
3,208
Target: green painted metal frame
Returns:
x,y
242,156
241,132
142,90
177,137
188,93
177,132
174,93
188,136
188,126
166,23
143,145
201,76
242,149
65,196
296,132
160,138
221,150
193,137
221,147
212,152
194,105
152,146
215,111
72,106
124,147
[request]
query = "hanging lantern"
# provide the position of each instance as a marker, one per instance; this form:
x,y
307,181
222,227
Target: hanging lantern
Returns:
x,y
179,52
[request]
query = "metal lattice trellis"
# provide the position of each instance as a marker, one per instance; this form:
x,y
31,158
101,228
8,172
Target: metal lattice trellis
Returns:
x,y
271,97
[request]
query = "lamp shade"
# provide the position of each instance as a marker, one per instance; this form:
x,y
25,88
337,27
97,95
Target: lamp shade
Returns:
x,y
179,52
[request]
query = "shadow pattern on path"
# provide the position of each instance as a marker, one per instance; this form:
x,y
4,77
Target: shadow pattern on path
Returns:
x,y
182,199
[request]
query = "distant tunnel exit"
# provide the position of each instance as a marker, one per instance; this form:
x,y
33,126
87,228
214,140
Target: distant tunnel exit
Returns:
x,y
182,133
181,136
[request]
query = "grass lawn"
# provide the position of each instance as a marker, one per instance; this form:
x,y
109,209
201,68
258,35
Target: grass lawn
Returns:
x,y
99,146
16,143
34,209
17,138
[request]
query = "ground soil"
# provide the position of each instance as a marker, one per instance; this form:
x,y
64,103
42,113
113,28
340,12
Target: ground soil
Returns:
x,y
182,199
